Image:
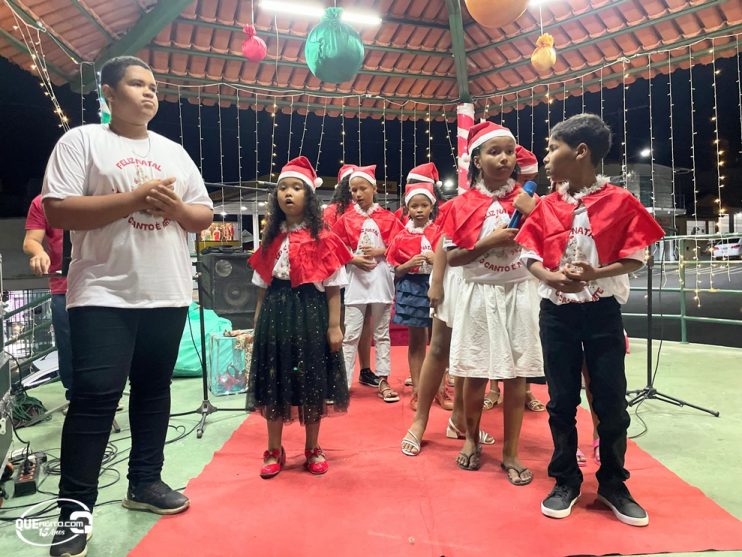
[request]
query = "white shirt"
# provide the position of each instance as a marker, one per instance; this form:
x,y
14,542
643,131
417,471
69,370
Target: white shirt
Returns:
x,y
282,268
581,247
139,261
499,265
425,268
377,285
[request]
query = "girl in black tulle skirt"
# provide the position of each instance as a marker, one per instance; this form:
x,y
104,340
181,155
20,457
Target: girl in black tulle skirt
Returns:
x,y
297,369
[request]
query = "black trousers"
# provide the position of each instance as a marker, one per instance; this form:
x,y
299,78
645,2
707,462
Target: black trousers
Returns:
x,y
109,346
592,330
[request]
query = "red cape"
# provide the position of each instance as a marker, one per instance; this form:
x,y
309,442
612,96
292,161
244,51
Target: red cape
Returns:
x,y
349,225
310,260
620,226
406,244
465,215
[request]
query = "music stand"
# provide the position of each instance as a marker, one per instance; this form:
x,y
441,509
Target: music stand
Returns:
x,y
649,392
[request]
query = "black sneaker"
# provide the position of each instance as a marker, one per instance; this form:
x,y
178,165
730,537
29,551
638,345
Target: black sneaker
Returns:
x,y
559,503
157,498
623,506
369,378
70,539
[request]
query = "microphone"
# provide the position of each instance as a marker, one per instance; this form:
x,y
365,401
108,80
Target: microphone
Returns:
x,y
530,188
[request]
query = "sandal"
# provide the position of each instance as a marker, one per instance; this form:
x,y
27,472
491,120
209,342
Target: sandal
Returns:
x,y
533,404
453,432
581,460
410,444
386,393
408,382
444,400
596,450
492,399
471,461
519,480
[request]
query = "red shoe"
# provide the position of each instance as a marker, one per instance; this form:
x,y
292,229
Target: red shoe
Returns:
x,y
316,468
270,470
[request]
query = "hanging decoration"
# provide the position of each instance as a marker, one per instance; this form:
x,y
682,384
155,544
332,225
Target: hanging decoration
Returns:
x,y
253,47
334,50
496,13
544,56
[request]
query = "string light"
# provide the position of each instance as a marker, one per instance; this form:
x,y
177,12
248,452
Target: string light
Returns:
x,y
239,158
401,148
602,163
517,119
549,100
448,136
273,138
383,133
200,137
696,297
322,132
502,110
533,118
487,108
304,129
257,158
414,136
359,139
651,137
564,99
342,133
582,92
291,129
180,117
672,135
624,146
430,135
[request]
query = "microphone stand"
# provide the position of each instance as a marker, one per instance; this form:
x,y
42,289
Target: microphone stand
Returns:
x,y
206,408
649,392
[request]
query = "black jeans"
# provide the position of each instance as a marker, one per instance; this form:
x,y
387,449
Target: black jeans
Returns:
x,y
592,330
109,346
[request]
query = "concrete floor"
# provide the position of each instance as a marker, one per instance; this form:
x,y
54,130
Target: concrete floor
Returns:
x,y
701,449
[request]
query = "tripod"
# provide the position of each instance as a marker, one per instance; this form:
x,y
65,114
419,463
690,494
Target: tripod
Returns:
x,y
206,408
649,392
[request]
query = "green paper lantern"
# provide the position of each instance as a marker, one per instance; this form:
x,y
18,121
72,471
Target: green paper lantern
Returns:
x,y
334,50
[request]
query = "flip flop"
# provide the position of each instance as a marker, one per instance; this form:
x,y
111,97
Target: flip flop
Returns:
x,y
471,461
535,405
520,481
581,460
386,393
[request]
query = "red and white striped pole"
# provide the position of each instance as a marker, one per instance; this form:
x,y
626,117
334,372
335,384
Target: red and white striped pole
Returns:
x,y
464,121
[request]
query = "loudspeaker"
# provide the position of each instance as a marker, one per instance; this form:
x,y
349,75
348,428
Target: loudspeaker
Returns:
x,y
227,286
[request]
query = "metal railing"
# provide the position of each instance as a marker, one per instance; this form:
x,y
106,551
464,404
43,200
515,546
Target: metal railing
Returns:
x,y
700,244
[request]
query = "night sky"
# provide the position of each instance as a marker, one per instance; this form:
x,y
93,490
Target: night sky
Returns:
x,y
30,129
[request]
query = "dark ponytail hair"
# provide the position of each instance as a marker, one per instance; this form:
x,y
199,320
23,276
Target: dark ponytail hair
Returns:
x,y
341,196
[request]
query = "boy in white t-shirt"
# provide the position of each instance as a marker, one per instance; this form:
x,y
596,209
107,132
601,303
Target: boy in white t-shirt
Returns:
x,y
129,197
581,242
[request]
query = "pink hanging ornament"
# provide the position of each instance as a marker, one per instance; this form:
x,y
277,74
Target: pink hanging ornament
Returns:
x,y
253,47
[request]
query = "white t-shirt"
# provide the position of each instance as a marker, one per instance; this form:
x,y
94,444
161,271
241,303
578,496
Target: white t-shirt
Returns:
x,y
581,247
377,285
499,265
139,261
282,269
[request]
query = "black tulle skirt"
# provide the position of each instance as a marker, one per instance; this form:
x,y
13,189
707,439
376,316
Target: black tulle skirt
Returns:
x,y
293,374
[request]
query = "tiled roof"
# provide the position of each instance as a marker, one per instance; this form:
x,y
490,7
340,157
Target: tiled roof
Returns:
x,y
408,57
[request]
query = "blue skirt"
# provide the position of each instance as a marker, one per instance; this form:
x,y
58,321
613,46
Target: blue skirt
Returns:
x,y
411,304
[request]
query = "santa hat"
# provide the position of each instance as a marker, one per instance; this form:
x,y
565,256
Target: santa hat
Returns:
x,y
366,172
301,168
345,170
527,162
422,188
480,134
425,173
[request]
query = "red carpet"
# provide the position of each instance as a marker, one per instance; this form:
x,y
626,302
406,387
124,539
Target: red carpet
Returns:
x,y
375,501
